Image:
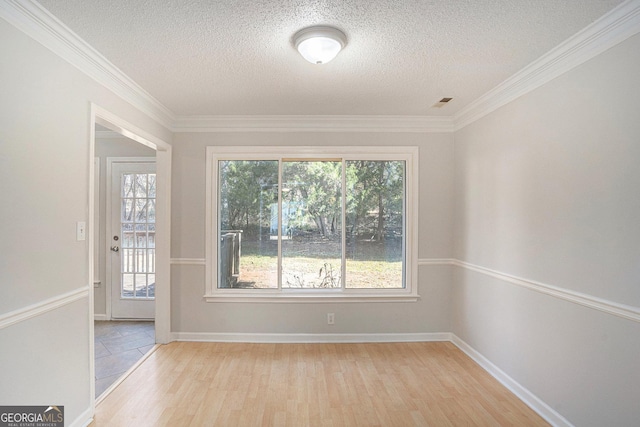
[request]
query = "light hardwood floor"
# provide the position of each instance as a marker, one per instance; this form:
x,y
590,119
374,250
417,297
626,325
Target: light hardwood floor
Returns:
x,y
391,384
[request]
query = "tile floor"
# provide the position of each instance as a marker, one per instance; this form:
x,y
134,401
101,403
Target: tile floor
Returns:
x,y
119,345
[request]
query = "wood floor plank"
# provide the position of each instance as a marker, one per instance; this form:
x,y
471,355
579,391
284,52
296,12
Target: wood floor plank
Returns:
x,y
231,384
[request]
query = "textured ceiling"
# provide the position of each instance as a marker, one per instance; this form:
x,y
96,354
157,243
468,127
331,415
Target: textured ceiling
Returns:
x,y
203,57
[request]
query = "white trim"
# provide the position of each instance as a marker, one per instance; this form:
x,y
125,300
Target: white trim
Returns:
x,y
84,419
271,296
612,28
124,376
37,22
436,261
93,194
309,338
109,134
96,221
347,123
530,399
188,261
100,317
606,306
33,310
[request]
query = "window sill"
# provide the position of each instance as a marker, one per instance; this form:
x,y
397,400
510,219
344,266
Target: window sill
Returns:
x,y
309,297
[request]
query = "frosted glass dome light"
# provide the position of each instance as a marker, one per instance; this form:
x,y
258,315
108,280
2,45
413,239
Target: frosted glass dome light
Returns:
x,y
319,45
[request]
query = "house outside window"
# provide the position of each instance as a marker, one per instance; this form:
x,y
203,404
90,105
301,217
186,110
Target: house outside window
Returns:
x,y
311,223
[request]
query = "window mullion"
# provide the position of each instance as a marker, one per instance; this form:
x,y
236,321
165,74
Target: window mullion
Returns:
x,y
343,225
280,224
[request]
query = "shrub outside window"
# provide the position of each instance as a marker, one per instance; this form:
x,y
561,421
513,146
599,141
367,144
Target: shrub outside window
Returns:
x,y
298,223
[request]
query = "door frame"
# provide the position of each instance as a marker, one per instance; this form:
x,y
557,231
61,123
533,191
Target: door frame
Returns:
x,y
109,226
103,117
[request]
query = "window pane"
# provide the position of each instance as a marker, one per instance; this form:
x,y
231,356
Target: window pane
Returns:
x,y
127,285
127,261
127,210
375,224
247,256
127,185
141,185
311,224
141,286
141,240
151,254
152,285
152,210
152,185
141,210
141,260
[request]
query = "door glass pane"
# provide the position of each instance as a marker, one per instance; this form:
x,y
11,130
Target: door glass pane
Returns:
x,y
141,210
127,210
375,224
127,285
152,285
141,185
247,251
151,210
141,285
127,235
127,185
152,185
311,224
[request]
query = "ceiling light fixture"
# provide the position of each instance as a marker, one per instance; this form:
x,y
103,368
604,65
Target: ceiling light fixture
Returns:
x,y
319,44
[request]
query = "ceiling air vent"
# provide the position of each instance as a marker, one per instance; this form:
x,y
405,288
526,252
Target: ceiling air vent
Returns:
x,y
441,103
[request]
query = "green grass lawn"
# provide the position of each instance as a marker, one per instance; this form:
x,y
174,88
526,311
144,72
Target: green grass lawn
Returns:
x,y
300,272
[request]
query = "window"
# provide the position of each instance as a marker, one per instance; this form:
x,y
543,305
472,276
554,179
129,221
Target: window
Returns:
x,y
311,223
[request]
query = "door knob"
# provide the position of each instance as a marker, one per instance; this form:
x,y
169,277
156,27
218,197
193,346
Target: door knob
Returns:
x,y
115,249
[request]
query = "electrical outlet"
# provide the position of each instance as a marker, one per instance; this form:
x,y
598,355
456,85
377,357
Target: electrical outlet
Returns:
x,y
331,318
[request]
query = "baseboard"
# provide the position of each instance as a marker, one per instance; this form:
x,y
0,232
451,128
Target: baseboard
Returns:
x,y
100,317
83,420
530,399
308,338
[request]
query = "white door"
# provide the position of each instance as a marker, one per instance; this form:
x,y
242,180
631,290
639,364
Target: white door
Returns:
x,y
132,240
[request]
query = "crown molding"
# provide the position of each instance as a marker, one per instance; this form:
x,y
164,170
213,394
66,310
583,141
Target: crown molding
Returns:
x,y
612,28
37,22
302,123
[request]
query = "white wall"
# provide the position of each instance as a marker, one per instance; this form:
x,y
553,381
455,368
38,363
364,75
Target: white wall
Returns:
x,y
547,189
44,185
110,147
191,314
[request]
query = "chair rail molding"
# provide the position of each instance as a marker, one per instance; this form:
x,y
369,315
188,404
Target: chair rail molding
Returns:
x,y
610,307
188,261
42,307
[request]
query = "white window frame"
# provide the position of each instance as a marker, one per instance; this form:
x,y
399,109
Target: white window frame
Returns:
x,y
403,153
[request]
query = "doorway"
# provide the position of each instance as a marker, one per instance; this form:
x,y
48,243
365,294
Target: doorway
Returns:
x,y
149,278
